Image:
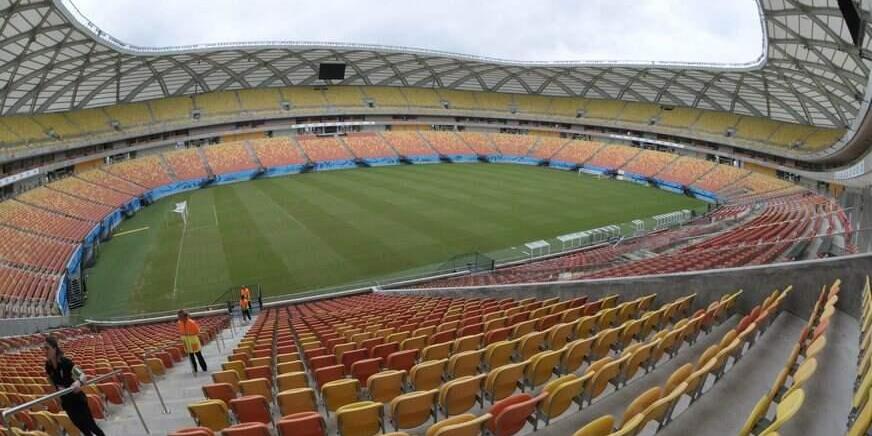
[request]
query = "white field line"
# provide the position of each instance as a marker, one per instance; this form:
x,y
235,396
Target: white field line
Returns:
x,y
179,260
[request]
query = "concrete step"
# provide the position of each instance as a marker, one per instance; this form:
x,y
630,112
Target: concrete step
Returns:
x,y
179,387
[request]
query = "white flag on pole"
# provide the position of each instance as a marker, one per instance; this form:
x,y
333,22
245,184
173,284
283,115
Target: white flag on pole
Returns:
x,y
182,209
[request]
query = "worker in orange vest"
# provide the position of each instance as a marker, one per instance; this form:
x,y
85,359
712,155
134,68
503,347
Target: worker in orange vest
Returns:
x,y
189,331
244,292
245,305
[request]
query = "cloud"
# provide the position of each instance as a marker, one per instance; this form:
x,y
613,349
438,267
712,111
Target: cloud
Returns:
x,y
544,30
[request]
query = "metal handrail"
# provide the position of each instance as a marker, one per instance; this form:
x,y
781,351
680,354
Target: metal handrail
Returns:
x,y
25,406
151,376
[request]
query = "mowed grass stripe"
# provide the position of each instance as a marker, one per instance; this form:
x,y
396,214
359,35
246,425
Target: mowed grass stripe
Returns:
x,y
303,232
462,219
249,255
412,218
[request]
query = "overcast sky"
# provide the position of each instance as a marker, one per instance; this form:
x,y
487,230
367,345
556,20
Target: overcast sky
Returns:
x,y
720,31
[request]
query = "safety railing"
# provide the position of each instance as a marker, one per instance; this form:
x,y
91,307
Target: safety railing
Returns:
x,y
10,412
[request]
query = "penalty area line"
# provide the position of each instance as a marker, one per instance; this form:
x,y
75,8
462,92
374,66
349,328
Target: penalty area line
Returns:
x,y
127,232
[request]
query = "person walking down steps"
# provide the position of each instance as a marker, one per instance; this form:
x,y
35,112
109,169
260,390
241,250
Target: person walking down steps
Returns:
x,y
245,305
63,373
189,331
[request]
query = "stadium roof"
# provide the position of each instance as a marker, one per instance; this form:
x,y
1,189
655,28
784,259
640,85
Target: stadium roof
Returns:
x,y
810,71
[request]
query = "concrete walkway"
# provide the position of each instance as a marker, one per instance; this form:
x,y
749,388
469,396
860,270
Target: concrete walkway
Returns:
x,y
179,388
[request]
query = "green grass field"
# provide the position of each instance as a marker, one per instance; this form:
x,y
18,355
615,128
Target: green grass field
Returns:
x,y
316,230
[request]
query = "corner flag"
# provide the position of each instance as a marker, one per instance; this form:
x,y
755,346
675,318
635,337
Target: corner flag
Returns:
x,y
182,209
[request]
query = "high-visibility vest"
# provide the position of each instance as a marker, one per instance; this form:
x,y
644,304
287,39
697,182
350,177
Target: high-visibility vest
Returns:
x,y
245,293
189,331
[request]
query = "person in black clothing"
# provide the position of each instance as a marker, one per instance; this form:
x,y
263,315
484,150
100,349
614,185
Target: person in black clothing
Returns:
x,y
63,373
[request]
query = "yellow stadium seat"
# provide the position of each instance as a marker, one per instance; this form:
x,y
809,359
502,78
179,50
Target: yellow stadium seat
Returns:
x,y
461,425
562,392
338,393
427,375
363,418
297,400
499,353
502,382
601,426
385,385
541,367
291,380
464,363
413,409
256,386
459,395
787,408
210,413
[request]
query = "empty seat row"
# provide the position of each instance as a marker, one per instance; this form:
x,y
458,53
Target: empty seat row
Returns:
x,y
369,146
408,144
660,404
786,395
860,418
412,379
82,189
277,152
186,164
324,149
480,143
229,158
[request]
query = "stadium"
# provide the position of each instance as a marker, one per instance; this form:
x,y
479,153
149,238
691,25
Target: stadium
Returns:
x,y
435,243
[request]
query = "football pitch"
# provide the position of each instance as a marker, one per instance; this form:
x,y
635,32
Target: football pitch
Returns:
x,y
324,229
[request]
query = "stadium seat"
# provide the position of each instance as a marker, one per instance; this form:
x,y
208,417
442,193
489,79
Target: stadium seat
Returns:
x,y
460,425
562,392
302,424
385,385
541,368
427,375
510,414
402,360
460,395
219,391
338,393
787,408
503,381
247,429
360,418
413,409
464,363
297,400
251,408
229,376
291,380
599,427
193,431
256,386
661,410
211,414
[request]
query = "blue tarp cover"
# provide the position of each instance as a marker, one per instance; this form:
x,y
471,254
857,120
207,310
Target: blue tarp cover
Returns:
x,y
334,165
432,158
462,158
521,160
561,165
382,161
239,176
282,171
174,188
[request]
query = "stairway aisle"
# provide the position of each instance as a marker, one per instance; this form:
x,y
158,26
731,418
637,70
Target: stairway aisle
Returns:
x,y
179,388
